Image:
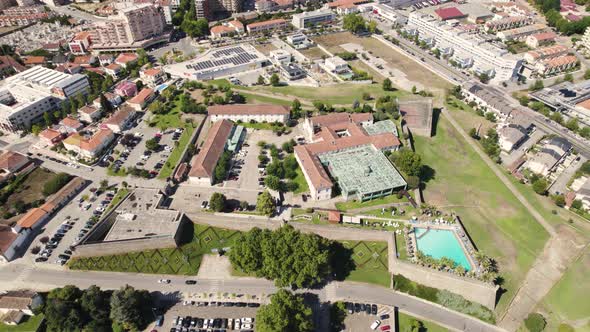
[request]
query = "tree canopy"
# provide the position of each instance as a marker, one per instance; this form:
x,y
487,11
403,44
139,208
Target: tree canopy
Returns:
x,y
217,202
287,256
408,161
286,312
265,203
354,23
130,308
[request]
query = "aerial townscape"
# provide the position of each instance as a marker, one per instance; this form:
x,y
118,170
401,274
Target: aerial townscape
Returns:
x,y
294,165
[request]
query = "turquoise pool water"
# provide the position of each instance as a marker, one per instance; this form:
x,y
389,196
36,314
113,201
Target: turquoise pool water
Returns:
x,y
440,243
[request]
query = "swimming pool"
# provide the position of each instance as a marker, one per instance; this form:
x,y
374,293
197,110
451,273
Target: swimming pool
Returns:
x,y
440,243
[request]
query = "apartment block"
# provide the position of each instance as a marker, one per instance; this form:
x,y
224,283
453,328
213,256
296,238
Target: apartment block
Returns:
x,y
316,17
469,49
266,26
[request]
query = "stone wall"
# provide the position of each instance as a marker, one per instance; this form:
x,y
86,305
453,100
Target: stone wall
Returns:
x,y
123,246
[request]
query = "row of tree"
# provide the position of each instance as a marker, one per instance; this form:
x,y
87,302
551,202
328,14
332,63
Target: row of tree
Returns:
x,y
72,309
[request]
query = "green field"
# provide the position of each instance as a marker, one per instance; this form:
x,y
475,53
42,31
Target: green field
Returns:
x,y
184,260
30,325
500,226
405,322
568,299
302,186
253,99
177,151
345,93
351,205
371,262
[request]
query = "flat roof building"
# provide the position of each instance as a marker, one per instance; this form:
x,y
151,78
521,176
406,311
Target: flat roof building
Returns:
x,y
308,19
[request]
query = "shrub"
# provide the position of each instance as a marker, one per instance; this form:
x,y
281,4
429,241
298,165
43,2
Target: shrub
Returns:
x,y
535,322
56,183
459,303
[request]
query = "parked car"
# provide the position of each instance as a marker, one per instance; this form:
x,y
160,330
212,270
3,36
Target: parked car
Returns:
x,y
190,282
375,324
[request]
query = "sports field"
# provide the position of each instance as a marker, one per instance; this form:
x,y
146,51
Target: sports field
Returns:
x,y
500,226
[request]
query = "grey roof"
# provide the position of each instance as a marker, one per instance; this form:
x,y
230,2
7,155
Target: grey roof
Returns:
x,y
493,97
513,133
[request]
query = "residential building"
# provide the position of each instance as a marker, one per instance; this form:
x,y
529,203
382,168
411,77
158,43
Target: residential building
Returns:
x,y
234,27
520,34
152,77
80,43
267,26
347,9
51,137
126,89
28,95
89,146
12,20
308,19
541,39
463,47
546,53
291,72
125,59
313,125
204,163
12,163
135,26
274,5
113,70
280,57
352,154
556,65
551,153
114,99
299,41
247,113
24,301
9,66
488,99
34,60
84,60
89,114
120,120
511,8
105,59
507,23
336,65
511,137
142,99
70,125
571,99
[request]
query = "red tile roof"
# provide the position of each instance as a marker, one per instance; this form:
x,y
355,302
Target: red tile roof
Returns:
x,y
268,23
247,109
126,57
336,118
205,162
31,218
12,161
7,237
140,98
69,122
120,116
449,13
50,134
34,60
544,36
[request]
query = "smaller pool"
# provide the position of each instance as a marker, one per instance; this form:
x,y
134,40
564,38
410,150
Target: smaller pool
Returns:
x,y
440,243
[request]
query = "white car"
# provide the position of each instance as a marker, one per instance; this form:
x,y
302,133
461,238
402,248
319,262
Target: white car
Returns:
x,y
375,324
164,281
246,327
99,209
247,320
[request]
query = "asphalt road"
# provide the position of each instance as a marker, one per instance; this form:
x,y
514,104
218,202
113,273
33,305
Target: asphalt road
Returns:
x,y
15,276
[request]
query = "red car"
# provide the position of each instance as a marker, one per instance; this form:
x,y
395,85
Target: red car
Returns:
x,y
385,328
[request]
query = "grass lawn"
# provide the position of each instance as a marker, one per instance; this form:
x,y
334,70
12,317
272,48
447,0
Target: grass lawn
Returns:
x,y
566,299
400,246
30,325
259,125
316,217
350,205
120,172
184,260
255,99
302,186
345,93
467,118
176,153
121,193
405,323
171,119
371,262
28,189
500,226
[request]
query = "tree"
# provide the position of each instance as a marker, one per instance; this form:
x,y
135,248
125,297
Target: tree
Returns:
x,y
273,182
372,26
568,77
473,133
260,80
217,202
96,303
296,109
587,74
354,23
265,203
319,106
244,205
408,161
55,183
131,308
540,186
387,85
36,129
286,312
535,322
572,124
274,80
559,200
152,144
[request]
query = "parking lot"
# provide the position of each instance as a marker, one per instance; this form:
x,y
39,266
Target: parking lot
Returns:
x,y
68,226
204,315
361,321
134,154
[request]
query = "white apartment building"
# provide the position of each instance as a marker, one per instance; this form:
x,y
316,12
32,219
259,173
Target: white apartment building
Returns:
x,y
280,57
467,48
336,65
308,19
133,26
586,39
25,97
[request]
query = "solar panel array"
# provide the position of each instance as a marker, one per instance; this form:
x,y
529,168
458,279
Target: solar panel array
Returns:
x,y
235,56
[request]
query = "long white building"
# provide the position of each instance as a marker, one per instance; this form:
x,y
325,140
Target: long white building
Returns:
x,y
466,48
25,97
